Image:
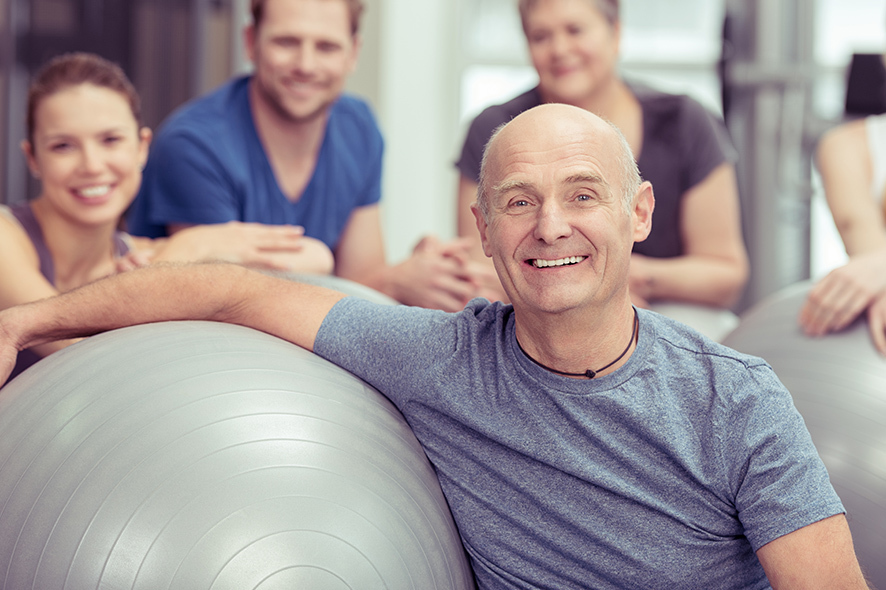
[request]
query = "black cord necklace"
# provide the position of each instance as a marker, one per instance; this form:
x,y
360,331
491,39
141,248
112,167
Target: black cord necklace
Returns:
x,y
590,373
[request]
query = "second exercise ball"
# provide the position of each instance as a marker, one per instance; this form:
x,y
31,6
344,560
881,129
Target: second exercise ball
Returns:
x,y
838,383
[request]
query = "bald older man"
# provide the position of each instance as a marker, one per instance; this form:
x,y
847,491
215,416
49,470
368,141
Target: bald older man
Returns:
x,y
580,442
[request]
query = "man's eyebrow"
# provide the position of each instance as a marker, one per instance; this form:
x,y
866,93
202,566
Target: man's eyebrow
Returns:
x,y
513,185
526,186
587,178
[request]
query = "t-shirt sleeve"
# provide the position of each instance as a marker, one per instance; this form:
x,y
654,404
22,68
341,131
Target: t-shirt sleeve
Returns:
x,y
391,347
371,193
779,481
707,141
184,182
479,132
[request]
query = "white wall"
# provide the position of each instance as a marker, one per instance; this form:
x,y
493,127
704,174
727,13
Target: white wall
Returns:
x,y
409,53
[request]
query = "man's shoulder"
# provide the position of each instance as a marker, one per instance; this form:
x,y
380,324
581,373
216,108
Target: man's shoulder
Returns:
x,y
483,312
353,137
479,325
477,311
352,114
352,105
680,342
702,372
211,112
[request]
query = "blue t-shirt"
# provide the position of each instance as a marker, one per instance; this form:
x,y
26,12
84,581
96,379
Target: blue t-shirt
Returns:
x,y
668,473
207,165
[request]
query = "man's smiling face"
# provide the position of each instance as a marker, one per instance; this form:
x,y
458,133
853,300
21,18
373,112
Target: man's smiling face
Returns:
x,y
557,227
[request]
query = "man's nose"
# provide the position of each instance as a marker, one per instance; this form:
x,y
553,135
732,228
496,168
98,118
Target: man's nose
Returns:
x,y
306,58
552,223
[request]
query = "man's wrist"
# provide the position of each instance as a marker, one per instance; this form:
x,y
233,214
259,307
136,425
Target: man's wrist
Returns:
x,y
10,324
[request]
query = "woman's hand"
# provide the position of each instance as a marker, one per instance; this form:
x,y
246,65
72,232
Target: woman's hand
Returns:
x,y
275,247
877,322
485,280
841,296
132,260
640,282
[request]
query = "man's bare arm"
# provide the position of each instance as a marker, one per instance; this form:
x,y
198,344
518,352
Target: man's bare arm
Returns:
x,y
818,556
215,292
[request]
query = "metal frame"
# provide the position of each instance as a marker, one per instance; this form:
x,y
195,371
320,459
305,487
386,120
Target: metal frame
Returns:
x,y
769,73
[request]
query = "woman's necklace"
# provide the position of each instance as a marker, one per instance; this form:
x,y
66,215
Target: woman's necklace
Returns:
x,y
590,373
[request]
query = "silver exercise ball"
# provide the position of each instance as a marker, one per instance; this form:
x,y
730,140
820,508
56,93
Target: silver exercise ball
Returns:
x,y
199,455
838,383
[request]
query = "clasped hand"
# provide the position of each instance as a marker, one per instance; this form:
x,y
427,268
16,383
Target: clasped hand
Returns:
x,y
441,275
640,281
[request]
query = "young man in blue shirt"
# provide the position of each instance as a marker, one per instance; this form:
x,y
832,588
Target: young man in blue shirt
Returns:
x,y
285,145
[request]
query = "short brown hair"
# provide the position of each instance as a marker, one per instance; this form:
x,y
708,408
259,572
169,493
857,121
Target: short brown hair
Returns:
x,y
355,9
608,8
73,69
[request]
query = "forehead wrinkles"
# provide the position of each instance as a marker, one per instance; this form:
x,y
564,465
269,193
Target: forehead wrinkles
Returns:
x,y
579,178
529,165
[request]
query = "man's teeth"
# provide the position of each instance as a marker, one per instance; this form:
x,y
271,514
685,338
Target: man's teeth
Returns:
x,y
301,86
94,191
559,262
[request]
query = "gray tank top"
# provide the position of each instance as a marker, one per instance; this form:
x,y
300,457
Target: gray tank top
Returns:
x,y
25,216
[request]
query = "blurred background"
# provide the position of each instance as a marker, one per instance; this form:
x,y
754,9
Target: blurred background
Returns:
x,y
778,70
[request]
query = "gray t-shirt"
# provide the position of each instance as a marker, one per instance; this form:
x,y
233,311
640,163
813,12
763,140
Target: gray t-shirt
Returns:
x,y
668,473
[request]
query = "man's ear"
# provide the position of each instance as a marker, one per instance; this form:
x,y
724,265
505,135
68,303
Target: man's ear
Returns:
x,y
249,34
481,227
355,52
644,204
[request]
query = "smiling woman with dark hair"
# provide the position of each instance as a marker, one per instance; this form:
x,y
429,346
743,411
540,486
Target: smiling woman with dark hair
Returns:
x,y
87,147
